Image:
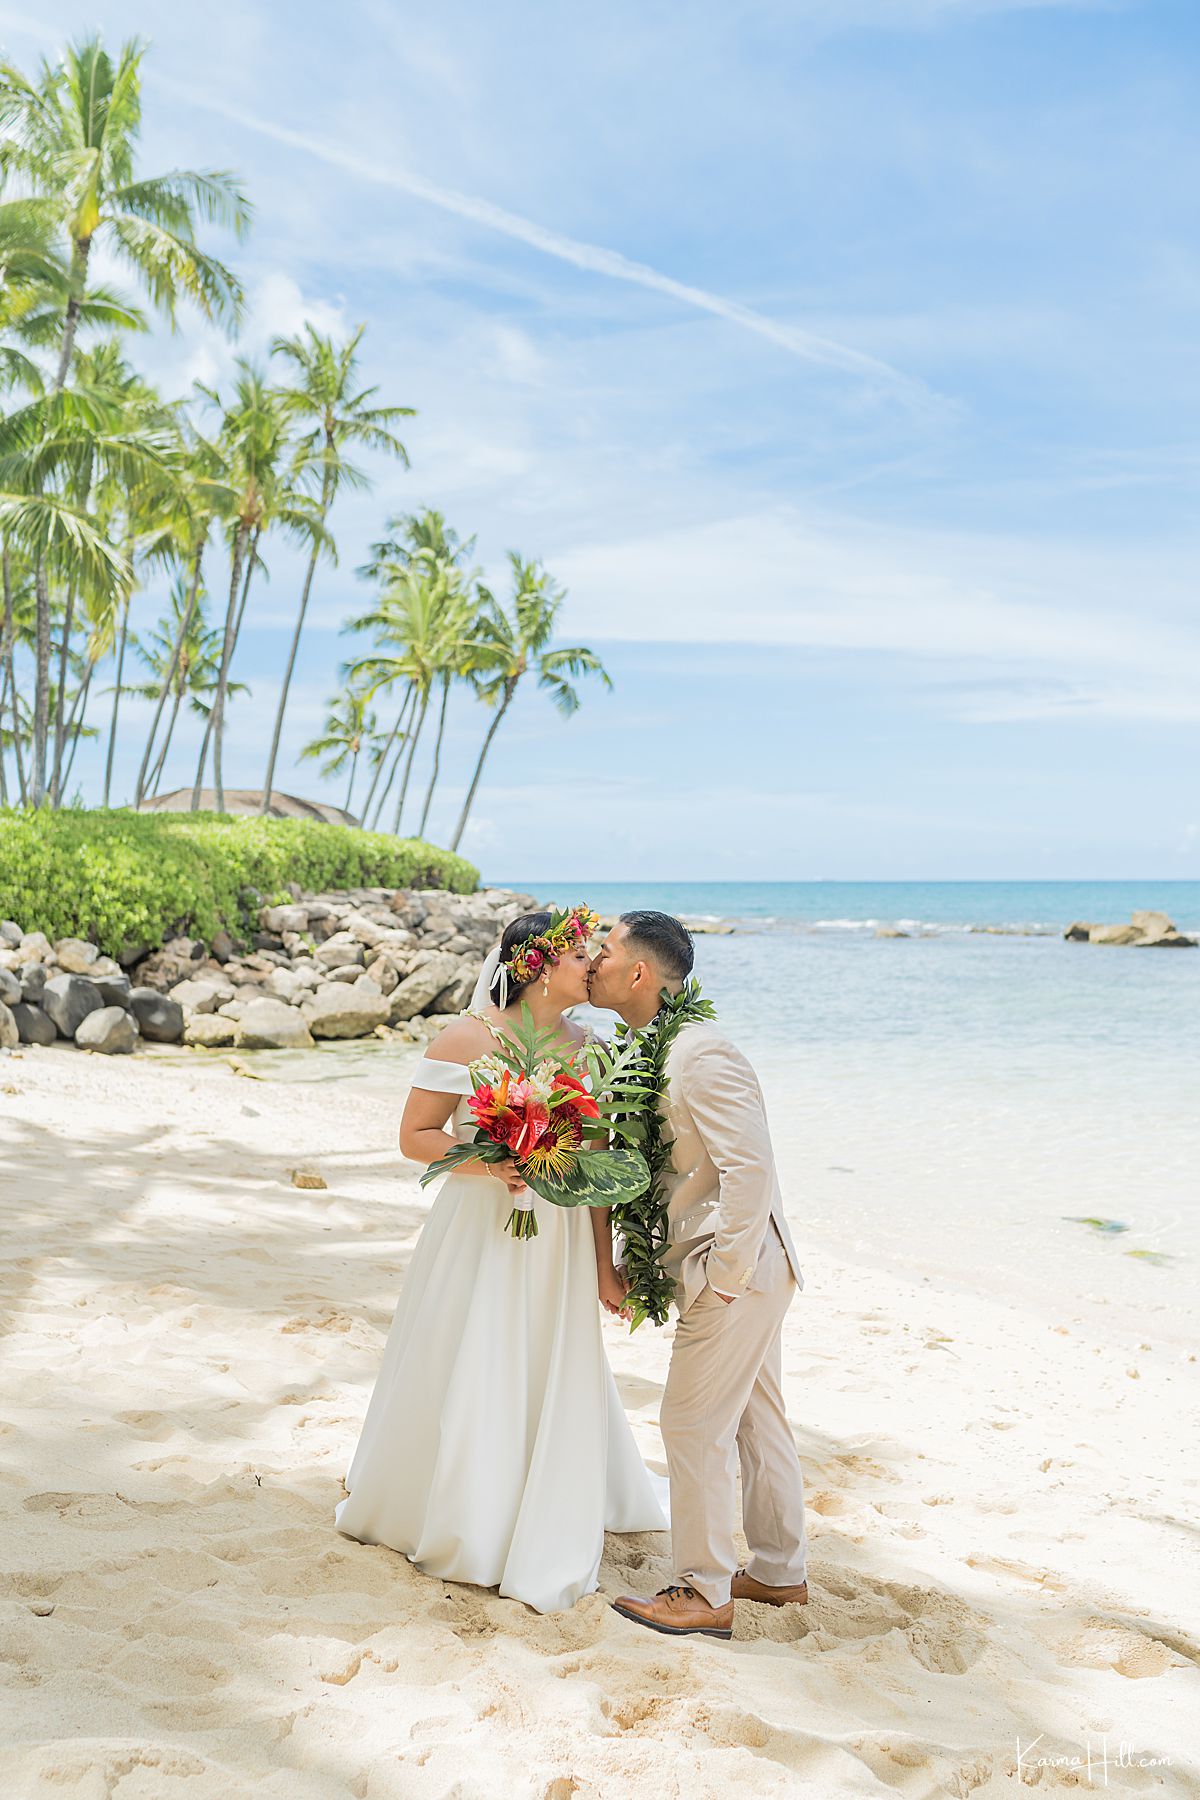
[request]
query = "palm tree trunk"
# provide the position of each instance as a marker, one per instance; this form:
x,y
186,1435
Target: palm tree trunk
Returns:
x,y
41,699
77,713
10,666
251,565
215,726
326,496
387,788
152,786
3,754
353,773
60,710
387,749
437,755
41,703
177,651
112,730
408,761
493,728
80,252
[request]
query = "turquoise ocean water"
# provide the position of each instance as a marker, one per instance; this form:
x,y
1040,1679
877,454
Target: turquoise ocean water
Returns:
x,y
986,974
954,1100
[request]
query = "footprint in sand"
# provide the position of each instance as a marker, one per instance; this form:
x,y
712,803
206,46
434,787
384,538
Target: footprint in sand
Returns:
x,y
1110,1644
1021,1571
939,1631
150,1424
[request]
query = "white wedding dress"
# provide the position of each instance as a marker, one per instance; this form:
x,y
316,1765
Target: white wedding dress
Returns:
x,y
495,1449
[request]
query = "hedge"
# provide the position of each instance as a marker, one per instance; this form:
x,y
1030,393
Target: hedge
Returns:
x,y
121,878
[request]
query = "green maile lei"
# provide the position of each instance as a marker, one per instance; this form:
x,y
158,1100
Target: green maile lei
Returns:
x,y
634,1074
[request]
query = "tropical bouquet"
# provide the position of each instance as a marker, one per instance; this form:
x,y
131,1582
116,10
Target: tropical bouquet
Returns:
x,y
531,1102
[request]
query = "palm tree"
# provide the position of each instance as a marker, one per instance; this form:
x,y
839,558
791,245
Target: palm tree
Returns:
x,y
350,728
515,643
254,442
18,629
72,134
326,396
50,449
203,495
411,616
128,504
183,655
425,610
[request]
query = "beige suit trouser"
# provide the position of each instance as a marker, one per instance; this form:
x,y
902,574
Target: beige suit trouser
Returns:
x,y
723,1404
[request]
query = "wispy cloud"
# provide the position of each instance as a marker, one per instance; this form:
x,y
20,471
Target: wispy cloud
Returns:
x,y
593,258
1055,610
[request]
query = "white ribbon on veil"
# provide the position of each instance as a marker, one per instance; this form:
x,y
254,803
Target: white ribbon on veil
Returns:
x,y
487,975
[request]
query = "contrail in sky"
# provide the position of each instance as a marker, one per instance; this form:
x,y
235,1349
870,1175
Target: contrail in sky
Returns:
x,y
592,257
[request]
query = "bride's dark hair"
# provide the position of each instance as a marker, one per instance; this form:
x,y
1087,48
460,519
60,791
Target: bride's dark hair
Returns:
x,y
526,926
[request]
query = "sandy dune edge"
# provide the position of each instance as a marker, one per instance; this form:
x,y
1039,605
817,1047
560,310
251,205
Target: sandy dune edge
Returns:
x,y
1003,1516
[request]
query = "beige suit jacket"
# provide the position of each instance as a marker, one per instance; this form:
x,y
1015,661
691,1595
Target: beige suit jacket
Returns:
x,y
724,1190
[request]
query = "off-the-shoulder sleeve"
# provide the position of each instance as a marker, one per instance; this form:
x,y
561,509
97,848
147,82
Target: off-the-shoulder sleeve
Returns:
x,y
439,1077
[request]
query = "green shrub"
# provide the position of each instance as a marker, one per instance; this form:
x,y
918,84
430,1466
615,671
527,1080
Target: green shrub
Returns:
x,y
121,878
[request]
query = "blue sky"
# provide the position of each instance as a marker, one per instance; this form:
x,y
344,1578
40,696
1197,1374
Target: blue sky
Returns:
x,y
840,356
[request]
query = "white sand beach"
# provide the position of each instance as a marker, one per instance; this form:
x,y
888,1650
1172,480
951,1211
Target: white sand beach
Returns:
x,y
1002,1498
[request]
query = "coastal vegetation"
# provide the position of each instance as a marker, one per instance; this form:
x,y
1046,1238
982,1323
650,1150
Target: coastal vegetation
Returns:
x,y
119,503
119,879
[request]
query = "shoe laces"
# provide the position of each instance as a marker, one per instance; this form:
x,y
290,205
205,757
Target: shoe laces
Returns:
x,y
675,1587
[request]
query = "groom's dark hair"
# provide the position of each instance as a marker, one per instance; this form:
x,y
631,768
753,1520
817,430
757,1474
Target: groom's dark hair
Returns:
x,y
662,940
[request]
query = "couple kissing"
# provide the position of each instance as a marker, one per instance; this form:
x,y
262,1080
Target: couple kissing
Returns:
x,y
495,1449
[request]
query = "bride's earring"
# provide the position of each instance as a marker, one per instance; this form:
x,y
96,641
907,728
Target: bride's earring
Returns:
x,y
546,985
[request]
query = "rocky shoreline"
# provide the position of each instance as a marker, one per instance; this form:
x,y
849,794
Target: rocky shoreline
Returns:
x,y
388,963
1145,931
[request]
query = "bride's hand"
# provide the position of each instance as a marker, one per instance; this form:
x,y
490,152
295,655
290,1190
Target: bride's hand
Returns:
x,y
507,1172
613,1289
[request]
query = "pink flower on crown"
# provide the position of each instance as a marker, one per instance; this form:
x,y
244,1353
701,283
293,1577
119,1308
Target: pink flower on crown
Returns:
x,y
533,960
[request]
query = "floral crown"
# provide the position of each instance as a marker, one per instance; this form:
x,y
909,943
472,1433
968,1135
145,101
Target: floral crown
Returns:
x,y
542,949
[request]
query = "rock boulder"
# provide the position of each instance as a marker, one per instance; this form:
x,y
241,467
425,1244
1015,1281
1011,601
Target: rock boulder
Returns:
x,y
10,987
110,1031
209,1030
68,1000
1114,934
75,956
271,1025
114,990
278,919
33,1025
158,1018
33,982
200,996
341,1010
339,952
423,986
10,1037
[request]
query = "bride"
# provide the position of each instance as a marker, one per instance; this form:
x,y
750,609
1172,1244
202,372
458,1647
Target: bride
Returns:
x,y
495,1449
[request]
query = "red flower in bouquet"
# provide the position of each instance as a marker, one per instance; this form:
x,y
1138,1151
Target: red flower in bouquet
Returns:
x,y
510,1113
581,1102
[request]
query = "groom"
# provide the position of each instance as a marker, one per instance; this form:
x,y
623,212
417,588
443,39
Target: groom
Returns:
x,y
736,1270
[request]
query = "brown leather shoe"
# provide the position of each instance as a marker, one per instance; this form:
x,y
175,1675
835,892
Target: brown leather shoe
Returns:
x,y
744,1587
679,1611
